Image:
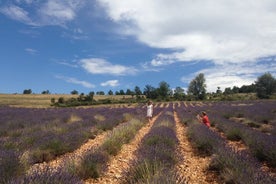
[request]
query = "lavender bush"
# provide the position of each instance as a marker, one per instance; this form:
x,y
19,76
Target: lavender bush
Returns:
x,y
156,155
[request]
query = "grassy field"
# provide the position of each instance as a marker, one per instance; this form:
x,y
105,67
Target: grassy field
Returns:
x,y
44,100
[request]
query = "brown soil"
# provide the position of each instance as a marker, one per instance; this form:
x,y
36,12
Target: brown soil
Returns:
x,y
121,162
61,161
240,146
193,167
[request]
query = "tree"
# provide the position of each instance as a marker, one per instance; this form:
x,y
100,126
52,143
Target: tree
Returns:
x,y
90,96
235,89
137,91
179,93
129,92
227,91
150,92
27,91
74,92
163,90
265,85
110,92
100,93
219,91
121,92
45,92
248,88
197,87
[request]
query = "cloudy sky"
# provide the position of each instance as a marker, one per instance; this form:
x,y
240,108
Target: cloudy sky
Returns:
x,y
101,45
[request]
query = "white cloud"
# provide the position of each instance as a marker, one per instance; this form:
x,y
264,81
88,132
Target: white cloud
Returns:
x,y
16,13
76,81
42,13
229,75
67,64
56,12
112,83
31,51
101,66
220,31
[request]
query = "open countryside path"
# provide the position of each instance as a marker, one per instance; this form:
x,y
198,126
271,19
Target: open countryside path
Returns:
x,y
193,167
59,162
119,163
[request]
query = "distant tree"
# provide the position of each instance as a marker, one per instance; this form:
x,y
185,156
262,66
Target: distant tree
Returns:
x,y
197,87
27,91
61,100
219,90
129,92
53,100
163,90
265,85
137,91
179,93
110,92
121,92
227,91
91,93
150,92
74,92
235,89
90,96
81,97
248,88
45,92
100,93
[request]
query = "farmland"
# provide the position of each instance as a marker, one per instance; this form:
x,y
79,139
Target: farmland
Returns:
x,y
44,100
117,144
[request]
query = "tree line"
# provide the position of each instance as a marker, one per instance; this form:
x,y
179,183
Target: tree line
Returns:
x,y
264,87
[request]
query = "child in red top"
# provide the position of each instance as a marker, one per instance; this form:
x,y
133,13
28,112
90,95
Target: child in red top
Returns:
x,y
203,118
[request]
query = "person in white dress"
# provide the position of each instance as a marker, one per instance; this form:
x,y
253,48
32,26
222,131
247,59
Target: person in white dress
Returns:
x,y
149,110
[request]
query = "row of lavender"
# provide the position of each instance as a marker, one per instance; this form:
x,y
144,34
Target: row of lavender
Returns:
x,y
261,145
29,136
234,166
94,162
156,155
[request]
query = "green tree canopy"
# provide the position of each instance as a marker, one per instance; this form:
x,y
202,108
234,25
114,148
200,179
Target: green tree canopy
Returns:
x,y
179,93
265,85
197,87
27,91
74,92
163,90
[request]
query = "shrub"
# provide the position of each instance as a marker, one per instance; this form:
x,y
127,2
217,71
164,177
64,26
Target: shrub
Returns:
x,y
234,134
48,176
10,166
91,164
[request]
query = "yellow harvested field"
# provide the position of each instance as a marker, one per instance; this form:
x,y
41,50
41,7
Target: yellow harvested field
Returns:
x,y
44,100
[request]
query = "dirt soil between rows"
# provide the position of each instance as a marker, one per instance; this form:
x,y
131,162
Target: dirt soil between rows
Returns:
x,y
192,166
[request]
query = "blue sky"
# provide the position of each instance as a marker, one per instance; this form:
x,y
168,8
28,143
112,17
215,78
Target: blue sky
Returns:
x,y
101,45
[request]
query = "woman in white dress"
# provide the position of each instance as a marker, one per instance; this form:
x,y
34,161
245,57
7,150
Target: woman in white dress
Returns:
x,y
149,110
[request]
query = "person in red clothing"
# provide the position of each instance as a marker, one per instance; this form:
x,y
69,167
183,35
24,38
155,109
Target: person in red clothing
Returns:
x,y
203,118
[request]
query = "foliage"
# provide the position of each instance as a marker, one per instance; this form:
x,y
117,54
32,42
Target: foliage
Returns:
x,y
179,93
266,85
45,92
197,87
27,91
74,92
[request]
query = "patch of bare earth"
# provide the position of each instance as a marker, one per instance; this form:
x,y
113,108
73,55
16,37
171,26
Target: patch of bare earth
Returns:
x,y
193,167
121,162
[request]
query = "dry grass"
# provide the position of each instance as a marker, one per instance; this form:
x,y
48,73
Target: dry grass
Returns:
x,y
44,100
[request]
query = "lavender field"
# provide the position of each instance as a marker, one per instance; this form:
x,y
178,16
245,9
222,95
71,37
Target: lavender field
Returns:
x,y
78,145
